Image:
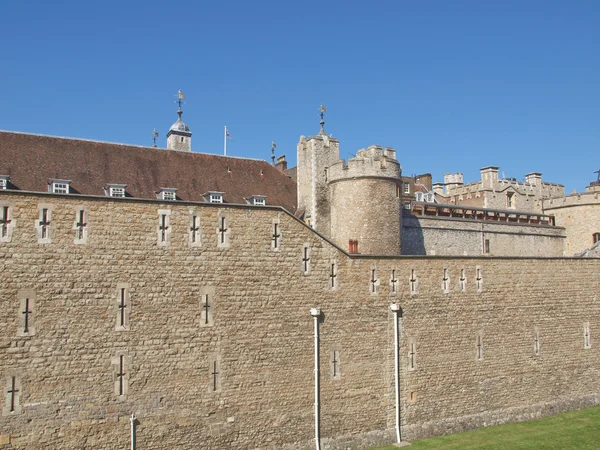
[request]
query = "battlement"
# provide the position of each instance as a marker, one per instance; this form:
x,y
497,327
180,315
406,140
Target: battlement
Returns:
x,y
585,198
453,178
374,161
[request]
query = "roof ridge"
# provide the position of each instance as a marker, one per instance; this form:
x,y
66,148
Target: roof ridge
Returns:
x,y
129,145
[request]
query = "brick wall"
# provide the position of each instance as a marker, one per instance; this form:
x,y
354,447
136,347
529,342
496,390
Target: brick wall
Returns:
x,y
261,336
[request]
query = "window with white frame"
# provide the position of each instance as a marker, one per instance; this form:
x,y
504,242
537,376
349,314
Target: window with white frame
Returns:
x,y
59,186
214,197
407,188
169,194
257,200
115,190
419,196
3,182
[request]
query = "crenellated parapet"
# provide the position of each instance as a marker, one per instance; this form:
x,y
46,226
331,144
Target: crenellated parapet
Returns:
x,y
372,162
585,198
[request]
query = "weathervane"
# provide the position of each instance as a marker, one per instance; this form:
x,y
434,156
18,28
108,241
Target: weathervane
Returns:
x,y
322,114
180,96
598,172
273,147
154,137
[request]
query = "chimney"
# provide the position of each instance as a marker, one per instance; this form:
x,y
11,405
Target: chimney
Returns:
x,y
281,163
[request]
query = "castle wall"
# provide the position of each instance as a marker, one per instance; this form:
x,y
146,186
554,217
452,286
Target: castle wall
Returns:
x,y
260,332
580,215
451,237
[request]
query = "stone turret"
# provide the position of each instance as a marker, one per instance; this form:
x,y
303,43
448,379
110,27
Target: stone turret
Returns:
x,y
366,201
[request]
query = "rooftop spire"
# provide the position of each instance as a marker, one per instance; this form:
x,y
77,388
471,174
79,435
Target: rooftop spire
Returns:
x,y
273,147
154,137
322,114
179,135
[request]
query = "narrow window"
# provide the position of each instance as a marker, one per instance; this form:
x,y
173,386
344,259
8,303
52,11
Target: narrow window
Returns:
x,y
12,392
596,237
80,226
510,200
479,346
164,229
207,306
6,223
587,338
306,259
123,307
486,246
194,232
412,354
223,231
374,282
121,365
333,275
406,188
334,363
393,283
214,373
43,224
445,281
462,281
478,279
27,312
536,342
413,280
275,235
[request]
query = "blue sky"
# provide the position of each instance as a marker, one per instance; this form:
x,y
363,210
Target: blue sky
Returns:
x,y
451,85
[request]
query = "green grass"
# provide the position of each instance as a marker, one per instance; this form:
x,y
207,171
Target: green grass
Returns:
x,y
573,430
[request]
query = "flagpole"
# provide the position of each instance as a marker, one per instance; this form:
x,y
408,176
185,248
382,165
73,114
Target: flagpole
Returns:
x,y
225,141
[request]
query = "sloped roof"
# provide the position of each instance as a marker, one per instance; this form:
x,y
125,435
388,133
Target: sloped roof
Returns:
x,y
32,160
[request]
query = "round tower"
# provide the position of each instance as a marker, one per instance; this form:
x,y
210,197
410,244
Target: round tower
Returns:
x,y
366,201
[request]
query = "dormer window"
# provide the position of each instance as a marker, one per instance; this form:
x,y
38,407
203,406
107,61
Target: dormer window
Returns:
x,y
169,194
59,186
4,182
214,197
115,190
257,200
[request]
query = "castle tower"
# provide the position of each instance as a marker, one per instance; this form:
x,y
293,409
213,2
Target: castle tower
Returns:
x,y
366,201
179,136
315,155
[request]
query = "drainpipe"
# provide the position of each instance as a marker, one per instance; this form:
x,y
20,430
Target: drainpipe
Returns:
x,y
316,313
132,421
396,310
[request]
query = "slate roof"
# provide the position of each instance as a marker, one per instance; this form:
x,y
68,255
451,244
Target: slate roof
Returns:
x,y
32,160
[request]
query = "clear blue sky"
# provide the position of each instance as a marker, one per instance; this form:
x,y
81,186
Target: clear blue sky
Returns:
x,y
451,85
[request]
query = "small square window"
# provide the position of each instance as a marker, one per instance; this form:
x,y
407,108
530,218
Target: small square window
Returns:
x,y
259,201
3,183
116,192
59,186
168,195
216,198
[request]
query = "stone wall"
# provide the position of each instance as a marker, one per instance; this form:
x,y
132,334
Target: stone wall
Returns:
x,y
483,340
450,237
580,215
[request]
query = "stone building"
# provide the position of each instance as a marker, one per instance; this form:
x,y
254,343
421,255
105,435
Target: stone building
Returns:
x,y
579,214
497,193
358,201
177,287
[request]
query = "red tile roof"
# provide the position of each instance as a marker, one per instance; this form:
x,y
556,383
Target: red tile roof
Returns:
x,y
32,160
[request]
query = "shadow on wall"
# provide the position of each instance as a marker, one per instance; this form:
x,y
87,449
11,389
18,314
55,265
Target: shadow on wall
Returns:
x,y
413,242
